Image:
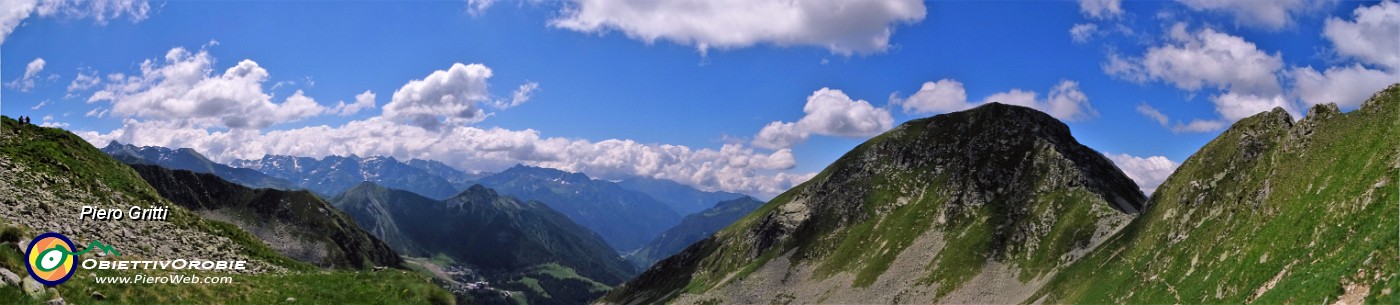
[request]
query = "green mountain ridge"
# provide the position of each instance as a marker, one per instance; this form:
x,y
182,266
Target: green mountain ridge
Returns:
x,y
295,223
979,206
501,237
1272,212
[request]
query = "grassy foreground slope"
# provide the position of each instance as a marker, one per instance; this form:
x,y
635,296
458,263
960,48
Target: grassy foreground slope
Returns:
x,y
47,174
1270,212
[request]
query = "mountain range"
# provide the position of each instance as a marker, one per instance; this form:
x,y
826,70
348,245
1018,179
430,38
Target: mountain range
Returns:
x,y
627,220
335,174
459,179
191,160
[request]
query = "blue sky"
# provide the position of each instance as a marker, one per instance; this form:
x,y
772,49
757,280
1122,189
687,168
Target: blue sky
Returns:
x,y
710,94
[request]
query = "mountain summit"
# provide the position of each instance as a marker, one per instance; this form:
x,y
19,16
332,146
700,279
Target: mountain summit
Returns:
x,y
976,206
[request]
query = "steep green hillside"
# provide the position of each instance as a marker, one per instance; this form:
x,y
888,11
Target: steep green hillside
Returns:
x,y
979,206
498,236
693,228
1270,212
295,223
48,174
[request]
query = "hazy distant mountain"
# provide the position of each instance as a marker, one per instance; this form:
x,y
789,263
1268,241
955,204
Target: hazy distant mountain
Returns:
x,y
188,159
459,179
624,218
693,228
335,174
296,223
681,198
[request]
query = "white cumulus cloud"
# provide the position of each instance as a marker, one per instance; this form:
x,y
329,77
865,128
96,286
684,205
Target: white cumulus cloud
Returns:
x,y
1373,39
31,73
184,88
14,12
449,97
362,101
520,96
1101,9
1210,58
1346,86
1233,106
1374,36
1082,32
1247,78
86,79
1065,101
945,95
843,27
1148,172
827,112
1270,15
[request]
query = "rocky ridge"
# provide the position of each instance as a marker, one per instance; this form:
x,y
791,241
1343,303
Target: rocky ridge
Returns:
x,y
1271,211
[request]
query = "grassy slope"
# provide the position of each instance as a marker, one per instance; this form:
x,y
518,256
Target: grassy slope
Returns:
x,y
555,284
896,206
1329,220
59,152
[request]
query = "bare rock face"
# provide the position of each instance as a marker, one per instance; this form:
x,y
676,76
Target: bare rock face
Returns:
x,y
976,206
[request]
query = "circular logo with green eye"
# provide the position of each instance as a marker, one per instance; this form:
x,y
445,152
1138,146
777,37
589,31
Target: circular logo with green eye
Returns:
x,y
49,258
